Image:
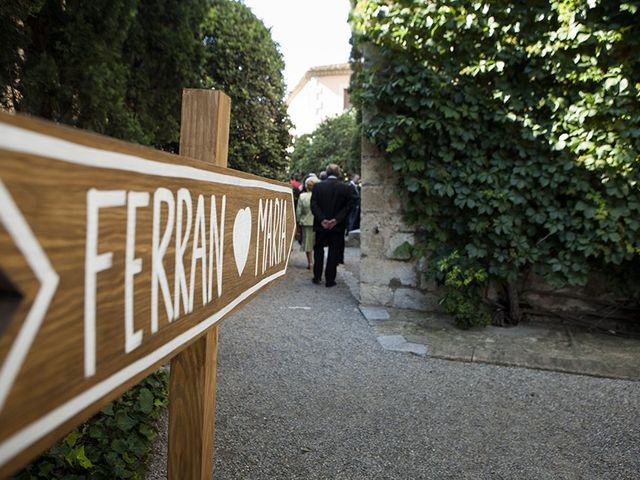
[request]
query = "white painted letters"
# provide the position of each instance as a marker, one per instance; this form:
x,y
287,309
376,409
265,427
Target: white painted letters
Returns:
x,y
158,250
198,253
95,263
261,226
132,266
180,289
173,219
216,238
271,232
283,234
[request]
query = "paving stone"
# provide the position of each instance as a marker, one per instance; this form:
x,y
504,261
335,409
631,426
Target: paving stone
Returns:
x,y
398,343
374,313
375,294
389,342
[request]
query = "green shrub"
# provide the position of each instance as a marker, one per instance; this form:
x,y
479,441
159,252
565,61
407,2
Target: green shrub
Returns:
x,y
113,444
463,285
336,140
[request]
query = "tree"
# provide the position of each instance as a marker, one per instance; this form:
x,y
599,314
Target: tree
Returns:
x,y
73,70
114,67
243,61
336,140
13,37
163,58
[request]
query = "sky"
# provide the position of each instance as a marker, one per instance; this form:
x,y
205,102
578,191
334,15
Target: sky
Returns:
x,y
310,33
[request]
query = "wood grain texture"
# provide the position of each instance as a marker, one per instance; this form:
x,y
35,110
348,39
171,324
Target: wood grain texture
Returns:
x,y
51,392
204,128
192,409
193,371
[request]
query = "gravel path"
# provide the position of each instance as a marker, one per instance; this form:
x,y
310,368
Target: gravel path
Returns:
x,y
306,392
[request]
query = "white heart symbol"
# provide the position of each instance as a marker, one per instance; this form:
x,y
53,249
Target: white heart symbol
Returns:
x,y
241,238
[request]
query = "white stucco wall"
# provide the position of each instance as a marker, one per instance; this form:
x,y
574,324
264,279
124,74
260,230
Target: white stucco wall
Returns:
x,y
318,97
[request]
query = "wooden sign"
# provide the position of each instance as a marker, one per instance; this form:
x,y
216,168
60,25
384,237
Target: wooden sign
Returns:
x,y
113,258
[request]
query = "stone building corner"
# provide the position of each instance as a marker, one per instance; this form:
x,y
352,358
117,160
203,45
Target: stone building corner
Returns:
x,y
387,278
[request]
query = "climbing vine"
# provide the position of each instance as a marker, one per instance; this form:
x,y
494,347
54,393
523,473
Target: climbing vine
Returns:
x,y
514,128
114,444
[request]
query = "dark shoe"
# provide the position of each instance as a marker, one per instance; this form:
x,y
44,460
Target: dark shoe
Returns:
x,y
316,281
332,284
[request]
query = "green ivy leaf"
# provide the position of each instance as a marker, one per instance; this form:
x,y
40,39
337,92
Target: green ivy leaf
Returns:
x,y
145,400
82,459
405,250
71,439
124,421
45,469
147,431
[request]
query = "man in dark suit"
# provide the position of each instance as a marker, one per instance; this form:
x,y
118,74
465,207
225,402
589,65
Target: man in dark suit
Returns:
x,y
353,222
331,202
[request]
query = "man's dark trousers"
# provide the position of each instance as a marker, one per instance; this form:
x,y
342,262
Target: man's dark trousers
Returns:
x,y
334,239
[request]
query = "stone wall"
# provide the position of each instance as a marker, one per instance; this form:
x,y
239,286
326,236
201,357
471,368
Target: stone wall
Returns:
x,y
390,280
386,278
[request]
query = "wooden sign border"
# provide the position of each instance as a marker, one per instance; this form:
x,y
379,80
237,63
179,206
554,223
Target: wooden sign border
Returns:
x,y
36,137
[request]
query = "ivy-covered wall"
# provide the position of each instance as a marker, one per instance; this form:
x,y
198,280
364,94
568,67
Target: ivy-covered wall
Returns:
x,y
513,134
388,277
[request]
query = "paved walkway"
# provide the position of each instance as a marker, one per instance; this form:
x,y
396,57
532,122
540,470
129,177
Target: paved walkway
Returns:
x,y
306,390
545,345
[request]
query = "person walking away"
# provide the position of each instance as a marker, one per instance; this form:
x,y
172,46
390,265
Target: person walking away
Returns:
x,y
331,202
294,180
305,218
303,187
354,215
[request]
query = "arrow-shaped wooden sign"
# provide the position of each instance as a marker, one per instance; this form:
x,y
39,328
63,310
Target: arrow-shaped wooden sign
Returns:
x,y
121,256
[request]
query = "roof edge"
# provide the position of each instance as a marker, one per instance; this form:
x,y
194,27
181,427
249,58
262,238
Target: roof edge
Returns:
x,y
320,71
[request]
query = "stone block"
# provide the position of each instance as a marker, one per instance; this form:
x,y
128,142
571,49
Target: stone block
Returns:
x,y
414,299
395,240
375,168
381,198
422,265
373,199
375,294
374,313
392,221
392,198
380,237
427,284
376,172
371,243
397,343
387,272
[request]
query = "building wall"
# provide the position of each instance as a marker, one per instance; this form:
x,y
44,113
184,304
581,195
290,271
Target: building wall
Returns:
x,y
320,95
386,278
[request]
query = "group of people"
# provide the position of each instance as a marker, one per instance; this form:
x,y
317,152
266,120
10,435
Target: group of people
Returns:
x,y
326,210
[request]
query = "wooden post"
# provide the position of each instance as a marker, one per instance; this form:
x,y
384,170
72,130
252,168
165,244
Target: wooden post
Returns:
x,y
204,135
